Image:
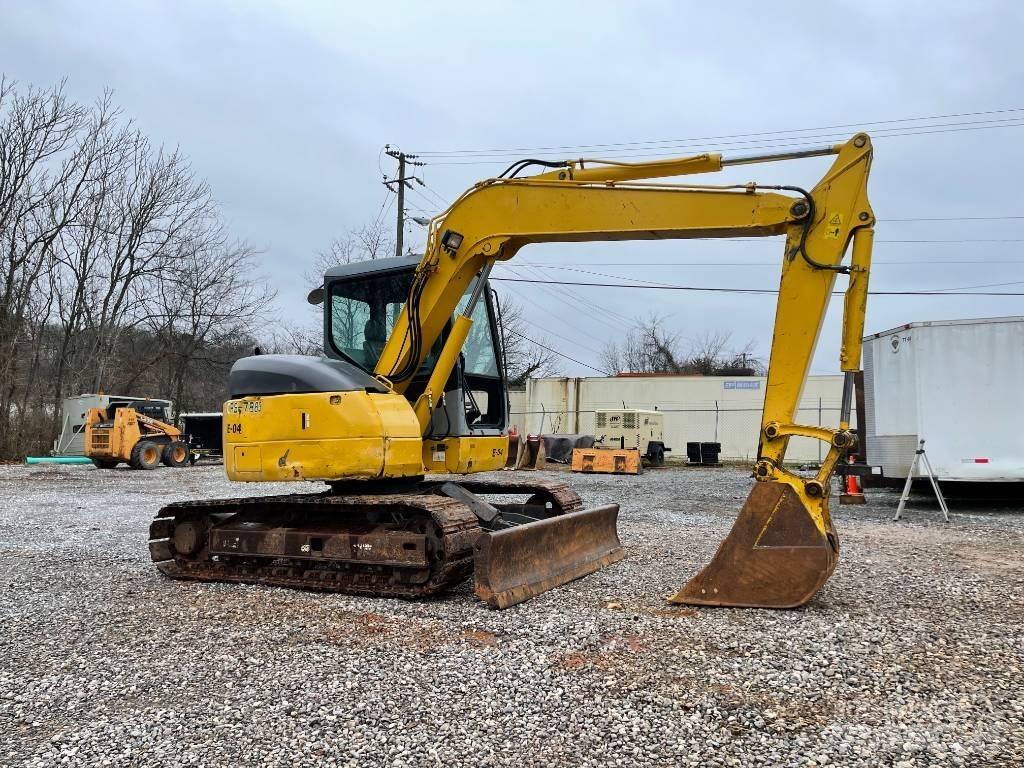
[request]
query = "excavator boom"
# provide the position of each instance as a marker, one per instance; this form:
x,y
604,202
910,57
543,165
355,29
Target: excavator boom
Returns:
x,y
783,546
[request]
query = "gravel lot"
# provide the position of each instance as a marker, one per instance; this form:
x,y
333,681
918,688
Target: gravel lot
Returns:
x,y
912,655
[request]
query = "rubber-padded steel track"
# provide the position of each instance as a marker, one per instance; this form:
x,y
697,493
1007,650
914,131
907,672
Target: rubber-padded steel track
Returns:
x,y
453,525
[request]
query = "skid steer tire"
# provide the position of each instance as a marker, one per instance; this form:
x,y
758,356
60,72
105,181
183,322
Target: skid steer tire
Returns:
x,y
175,454
103,464
145,455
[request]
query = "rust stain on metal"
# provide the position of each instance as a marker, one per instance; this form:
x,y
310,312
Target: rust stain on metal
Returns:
x,y
410,543
518,563
774,556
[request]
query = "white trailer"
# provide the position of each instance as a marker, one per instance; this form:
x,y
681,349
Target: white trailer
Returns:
x,y
954,384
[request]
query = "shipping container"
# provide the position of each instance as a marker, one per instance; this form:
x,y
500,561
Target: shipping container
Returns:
x,y
954,384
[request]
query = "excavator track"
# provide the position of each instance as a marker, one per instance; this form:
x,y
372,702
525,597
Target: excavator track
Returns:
x,y
413,543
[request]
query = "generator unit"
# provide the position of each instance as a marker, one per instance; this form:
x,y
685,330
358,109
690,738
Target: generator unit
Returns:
x,y
632,428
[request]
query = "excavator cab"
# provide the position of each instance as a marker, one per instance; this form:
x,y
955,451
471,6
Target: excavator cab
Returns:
x,y
362,303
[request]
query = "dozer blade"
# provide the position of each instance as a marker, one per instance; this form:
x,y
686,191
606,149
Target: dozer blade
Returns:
x,y
774,556
518,563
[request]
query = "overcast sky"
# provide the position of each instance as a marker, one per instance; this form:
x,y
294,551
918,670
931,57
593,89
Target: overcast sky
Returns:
x,y
285,108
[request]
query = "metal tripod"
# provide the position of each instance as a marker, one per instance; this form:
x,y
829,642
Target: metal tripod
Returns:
x,y
921,460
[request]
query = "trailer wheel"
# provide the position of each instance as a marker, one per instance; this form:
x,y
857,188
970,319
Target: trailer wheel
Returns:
x,y
145,455
104,464
175,454
656,452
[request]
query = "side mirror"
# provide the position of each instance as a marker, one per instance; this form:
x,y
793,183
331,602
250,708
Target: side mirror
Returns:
x,y
316,296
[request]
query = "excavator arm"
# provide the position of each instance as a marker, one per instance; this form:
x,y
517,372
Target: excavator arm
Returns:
x,y
782,547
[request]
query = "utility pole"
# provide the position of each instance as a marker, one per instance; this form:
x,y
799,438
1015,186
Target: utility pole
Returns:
x,y
402,181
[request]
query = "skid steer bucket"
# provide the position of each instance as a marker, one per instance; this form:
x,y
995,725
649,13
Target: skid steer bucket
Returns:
x,y
515,564
774,556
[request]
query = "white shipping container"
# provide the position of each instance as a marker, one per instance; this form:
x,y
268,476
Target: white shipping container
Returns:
x,y
955,384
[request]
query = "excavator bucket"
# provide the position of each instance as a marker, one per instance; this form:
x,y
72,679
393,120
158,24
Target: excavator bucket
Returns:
x,y
515,564
774,556
531,453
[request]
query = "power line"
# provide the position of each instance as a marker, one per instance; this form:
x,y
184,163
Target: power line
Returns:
x,y
882,240
437,153
574,342
548,330
650,283
986,285
390,201
796,141
555,351
565,296
599,314
961,240
440,200
380,214
954,218
936,292
426,200
777,263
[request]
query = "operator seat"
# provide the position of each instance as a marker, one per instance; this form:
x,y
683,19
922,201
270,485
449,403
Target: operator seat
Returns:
x,y
374,340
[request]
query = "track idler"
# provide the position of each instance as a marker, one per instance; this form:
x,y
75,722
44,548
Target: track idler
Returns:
x,y
775,556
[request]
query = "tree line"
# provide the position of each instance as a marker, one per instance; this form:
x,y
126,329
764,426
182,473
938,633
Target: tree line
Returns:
x,y
651,346
117,272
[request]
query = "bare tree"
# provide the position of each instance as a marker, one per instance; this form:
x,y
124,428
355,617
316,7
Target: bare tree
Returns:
x,y
650,347
527,353
38,129
291,339
209,295
364,244
115,267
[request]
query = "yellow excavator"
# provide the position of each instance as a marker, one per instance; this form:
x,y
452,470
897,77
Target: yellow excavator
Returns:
x,y
411,385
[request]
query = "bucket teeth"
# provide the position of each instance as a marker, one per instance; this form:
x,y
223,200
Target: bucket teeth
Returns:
x,y
774,556
518,563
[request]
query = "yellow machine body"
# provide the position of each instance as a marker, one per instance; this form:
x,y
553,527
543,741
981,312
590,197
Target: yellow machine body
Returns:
x,y
343,435
321,436
112,441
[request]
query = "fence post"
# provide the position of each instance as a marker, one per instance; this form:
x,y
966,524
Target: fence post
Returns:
x,y
716,421
820,425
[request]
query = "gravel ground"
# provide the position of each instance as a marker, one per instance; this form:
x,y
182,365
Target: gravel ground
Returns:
x,y
910,656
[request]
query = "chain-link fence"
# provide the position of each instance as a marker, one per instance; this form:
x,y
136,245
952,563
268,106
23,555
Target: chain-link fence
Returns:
x,y
736,429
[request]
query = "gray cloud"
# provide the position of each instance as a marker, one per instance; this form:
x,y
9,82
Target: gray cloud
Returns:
x,y
284,108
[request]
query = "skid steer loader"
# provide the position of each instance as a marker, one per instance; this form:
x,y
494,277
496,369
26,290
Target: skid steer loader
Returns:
x,y
411,385
125,435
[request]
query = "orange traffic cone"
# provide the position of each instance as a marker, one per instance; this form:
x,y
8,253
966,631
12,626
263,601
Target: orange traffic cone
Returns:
x,y
852,493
